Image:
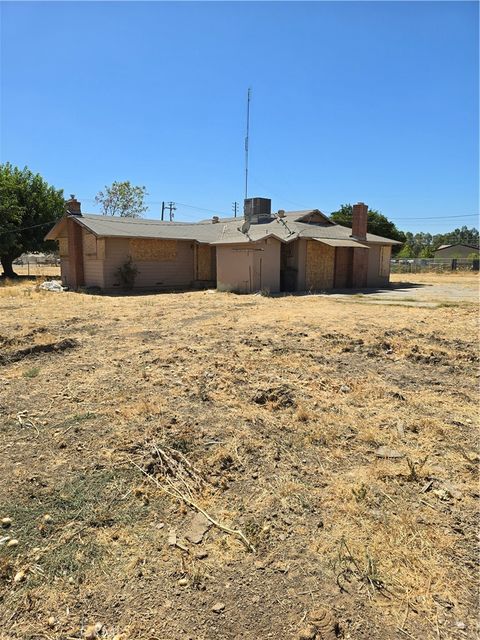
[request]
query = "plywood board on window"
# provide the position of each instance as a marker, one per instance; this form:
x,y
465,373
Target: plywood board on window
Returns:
x,y
89,245
151,250
384,268
63,247
205,262
320,265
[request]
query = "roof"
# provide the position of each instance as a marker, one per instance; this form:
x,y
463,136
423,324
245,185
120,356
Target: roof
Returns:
x,y
226,231
457,244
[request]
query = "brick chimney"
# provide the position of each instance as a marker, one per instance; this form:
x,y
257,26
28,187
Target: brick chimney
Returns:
x,y
359,221
73,206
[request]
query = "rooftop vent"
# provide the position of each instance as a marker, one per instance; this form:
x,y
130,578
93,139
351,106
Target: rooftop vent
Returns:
x,y
281,213
215,219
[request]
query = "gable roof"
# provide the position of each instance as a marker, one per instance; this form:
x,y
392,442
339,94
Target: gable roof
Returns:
x,y
226,231
457,244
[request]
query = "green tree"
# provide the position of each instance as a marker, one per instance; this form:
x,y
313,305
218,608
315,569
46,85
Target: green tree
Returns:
x,y
377,223
28,205
122,199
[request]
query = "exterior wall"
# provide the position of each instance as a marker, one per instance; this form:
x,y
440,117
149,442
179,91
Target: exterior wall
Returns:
x,y
245,268
76,276
360,268
320,266
455,251
343,267
64,262
93,259
302,264
378,272
205,263
176,270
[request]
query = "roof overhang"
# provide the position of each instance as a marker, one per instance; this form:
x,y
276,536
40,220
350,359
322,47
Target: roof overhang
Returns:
x,y
334,242
57,229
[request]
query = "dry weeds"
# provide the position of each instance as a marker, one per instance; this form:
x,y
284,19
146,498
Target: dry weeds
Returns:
x,y
279,406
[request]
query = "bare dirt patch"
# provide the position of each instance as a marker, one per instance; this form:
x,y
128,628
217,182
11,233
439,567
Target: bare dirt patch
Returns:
x,y
277,418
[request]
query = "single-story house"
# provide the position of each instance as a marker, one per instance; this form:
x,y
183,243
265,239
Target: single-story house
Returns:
x,y
449,251
284,251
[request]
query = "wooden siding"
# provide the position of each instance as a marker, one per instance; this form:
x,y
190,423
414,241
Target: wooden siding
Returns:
x,y
151,273
320,265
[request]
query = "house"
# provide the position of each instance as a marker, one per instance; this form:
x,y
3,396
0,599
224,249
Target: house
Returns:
x,y
286,251
449,251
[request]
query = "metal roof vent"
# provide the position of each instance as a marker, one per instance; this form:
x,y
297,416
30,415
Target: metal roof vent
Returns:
x,y
215,220
281,213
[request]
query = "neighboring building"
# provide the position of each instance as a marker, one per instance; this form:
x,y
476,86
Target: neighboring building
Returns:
x,y
293,251
449,251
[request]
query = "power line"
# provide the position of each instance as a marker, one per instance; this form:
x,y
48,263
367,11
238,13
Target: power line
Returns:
x,y
34,226
468,215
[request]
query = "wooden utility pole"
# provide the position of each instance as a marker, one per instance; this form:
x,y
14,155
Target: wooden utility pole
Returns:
x,y
171,208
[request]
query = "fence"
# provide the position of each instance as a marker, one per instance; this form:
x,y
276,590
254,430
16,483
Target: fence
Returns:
x,y
436,265
37,265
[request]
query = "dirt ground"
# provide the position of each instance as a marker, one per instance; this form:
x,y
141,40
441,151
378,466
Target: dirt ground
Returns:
x,y
329,443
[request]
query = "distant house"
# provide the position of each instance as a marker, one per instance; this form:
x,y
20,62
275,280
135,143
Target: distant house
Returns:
x,y
449,251
286,251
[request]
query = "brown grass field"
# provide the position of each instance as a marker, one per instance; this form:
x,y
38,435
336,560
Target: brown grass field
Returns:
x,y
333,443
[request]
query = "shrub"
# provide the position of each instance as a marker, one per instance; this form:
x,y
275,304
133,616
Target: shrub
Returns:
x,y
127,274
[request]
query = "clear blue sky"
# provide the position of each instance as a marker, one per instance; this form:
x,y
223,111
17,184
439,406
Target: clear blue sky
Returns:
x,y
372,101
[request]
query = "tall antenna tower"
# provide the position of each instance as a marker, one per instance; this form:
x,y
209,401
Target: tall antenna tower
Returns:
x,y
246,142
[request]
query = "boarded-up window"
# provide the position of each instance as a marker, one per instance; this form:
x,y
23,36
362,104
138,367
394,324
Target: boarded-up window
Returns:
x,y
93,247
384,267
90,245
204,262
63,247
153,250
320,265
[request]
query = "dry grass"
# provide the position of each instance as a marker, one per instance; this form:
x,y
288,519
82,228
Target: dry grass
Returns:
x,y
280,405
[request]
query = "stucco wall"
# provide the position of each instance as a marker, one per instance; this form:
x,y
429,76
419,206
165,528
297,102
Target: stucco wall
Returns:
x,y
177,272
245,268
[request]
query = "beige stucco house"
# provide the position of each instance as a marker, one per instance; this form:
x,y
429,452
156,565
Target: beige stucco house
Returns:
x,y
285,251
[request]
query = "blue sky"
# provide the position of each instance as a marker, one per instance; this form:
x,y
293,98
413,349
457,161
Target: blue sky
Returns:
x,y
370,101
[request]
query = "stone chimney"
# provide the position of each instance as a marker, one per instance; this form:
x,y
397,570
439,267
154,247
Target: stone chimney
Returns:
x,y
73,206
359,221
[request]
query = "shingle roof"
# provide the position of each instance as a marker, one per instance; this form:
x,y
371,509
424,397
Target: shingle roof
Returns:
x,y
225,231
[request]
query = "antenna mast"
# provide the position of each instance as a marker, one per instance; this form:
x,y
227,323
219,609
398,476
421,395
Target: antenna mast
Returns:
x,y
246,142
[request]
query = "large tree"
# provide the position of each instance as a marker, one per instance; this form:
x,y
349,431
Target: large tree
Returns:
x,y
377,223
28,206
122,199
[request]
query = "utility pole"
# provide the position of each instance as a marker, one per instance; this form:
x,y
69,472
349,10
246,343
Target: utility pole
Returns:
x,y
235,207
246,143
171,208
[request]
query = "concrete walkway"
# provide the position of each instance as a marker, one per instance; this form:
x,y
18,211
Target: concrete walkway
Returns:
x,y
412,294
